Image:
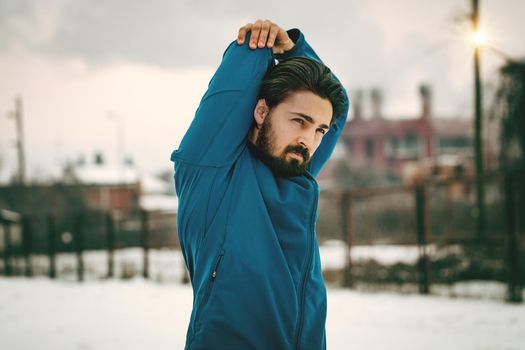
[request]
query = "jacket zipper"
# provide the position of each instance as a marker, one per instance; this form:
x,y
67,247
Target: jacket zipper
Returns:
x,y
207,293
213,275
309,265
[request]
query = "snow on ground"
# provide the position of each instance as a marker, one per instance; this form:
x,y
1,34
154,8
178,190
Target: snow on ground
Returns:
x,y
167,265
333,253
164,264
42,314
165,261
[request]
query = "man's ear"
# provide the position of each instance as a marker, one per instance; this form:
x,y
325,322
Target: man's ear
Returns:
x,y
260,112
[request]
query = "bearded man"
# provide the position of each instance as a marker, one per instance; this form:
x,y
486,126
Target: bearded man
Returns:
x,y
245,177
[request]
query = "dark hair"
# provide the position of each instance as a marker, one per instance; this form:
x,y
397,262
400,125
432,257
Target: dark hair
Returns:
x,y
300,74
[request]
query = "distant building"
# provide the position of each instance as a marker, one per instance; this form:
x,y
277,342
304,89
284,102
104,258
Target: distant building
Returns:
x,y
150,193
95,186
63,198
92,191
391,144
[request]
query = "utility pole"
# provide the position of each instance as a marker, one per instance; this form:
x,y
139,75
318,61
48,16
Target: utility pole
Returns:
x,y
17,116
478,145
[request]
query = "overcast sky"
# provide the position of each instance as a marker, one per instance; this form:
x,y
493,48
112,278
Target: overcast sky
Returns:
x,y
149,63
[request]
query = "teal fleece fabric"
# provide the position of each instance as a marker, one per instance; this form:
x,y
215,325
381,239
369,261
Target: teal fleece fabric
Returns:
x,y
248,236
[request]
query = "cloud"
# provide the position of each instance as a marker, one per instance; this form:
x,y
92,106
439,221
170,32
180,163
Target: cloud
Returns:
x,y
164,33
172,33
366,43
73,60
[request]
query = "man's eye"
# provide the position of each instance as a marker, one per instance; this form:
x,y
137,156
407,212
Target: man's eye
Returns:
x,y
323,131
300,121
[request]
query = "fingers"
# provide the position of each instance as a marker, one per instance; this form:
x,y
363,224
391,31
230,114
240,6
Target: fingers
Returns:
x,y
263,33
273,34
242,33
256,29
265,28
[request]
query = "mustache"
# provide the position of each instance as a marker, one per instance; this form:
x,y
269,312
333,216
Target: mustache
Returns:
x,y
299,149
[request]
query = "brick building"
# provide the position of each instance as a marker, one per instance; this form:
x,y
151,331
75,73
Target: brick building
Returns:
x,y
390,144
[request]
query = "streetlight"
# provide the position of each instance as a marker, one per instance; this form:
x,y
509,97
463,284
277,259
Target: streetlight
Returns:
x,y
479,39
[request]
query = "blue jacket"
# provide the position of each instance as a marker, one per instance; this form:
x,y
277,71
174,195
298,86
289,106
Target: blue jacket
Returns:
x,y
247,236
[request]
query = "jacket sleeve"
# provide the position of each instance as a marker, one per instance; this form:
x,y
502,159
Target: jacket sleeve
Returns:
x,y
224,116
325,149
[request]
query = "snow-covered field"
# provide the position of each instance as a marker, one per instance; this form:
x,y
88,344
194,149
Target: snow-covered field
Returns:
x,y
38,313
167,265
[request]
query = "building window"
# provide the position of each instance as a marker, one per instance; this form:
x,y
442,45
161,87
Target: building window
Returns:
x,y
391,147
369,146
350,146
455,145
407,147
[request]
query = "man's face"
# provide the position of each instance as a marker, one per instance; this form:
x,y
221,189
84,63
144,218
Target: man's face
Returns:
x,y
292,131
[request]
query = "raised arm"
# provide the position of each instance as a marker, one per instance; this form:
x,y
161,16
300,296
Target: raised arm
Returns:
x,y
225,113
325,149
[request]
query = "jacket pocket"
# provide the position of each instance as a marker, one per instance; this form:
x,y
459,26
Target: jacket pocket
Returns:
x,y
212,276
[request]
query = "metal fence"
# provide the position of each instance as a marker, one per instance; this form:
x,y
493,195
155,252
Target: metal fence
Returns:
x,y
434,223
91,244
438,221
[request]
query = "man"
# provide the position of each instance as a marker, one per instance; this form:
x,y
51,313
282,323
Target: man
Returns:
x,y
245,176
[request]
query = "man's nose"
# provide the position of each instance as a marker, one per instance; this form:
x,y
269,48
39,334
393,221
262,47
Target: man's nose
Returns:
x,y
307,141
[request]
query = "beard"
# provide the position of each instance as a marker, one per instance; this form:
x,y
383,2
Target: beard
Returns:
x,y
279,164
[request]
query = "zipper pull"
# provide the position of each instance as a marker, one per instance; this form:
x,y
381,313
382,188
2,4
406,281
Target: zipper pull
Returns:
x,y
219,258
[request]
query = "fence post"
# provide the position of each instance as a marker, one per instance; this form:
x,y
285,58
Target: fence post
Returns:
x,y
145,242
185,273
110,230
421,223
79,245
51,245
514,287
7,247
26,239
346,225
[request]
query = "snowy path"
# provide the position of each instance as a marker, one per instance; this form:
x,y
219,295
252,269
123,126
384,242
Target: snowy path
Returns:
x,y
138,315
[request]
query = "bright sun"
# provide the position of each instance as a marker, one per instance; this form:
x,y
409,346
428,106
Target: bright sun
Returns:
x,y
479,38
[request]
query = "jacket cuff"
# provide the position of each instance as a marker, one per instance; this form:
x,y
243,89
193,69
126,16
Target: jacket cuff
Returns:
x,y
298,38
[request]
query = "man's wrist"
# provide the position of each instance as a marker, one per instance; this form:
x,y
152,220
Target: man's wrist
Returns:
x,y
288,45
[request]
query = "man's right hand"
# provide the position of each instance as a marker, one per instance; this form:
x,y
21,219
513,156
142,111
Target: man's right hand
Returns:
x,y
266,33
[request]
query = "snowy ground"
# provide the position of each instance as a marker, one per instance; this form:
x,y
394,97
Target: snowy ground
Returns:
x,y
167,265
135,315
